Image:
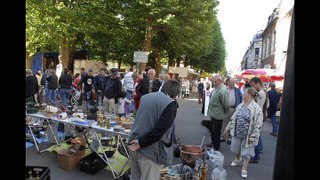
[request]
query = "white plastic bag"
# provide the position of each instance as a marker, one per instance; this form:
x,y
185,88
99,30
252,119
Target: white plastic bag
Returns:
x,y
78,94
215,165
216,159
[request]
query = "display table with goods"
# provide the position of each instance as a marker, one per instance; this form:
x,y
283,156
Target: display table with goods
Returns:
x,y
105,138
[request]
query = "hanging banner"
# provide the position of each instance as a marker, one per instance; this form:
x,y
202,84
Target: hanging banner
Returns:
x,y
37,63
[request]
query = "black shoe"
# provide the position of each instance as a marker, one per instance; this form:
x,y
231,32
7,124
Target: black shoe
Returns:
x,y
253,161
274,134
222,140
209,145
228,142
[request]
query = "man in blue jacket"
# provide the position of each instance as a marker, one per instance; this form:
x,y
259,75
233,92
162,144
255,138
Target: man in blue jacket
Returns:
x,y
273,107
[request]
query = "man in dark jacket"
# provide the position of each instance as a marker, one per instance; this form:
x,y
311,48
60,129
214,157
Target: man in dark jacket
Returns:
x,y
99,83
273,107
31,84
150,84
151,137
65,82
112,92
52,86
88,88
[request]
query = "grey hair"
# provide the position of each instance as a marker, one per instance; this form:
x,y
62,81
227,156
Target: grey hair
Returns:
x,y
172,88
217,76
253,93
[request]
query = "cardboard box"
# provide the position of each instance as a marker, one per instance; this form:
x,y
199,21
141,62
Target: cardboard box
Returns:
x,y
68,160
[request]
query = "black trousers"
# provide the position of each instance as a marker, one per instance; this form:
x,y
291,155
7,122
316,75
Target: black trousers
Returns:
x,y
216,133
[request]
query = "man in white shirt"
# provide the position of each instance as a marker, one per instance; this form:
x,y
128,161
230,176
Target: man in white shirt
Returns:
x,y
262,101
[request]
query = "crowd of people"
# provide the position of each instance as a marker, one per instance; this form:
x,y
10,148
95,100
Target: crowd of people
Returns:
x,y
236,115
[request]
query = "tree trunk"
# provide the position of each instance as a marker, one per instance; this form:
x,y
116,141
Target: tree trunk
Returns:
x,y
171,56
28,61
178,62
119,63
64,53
146,43
71,59
158,61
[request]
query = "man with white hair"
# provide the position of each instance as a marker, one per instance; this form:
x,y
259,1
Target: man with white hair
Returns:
x,y
235,99
219,105
149,84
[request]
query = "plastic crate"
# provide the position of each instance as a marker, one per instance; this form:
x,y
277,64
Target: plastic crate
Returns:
x,y
43,172
92,164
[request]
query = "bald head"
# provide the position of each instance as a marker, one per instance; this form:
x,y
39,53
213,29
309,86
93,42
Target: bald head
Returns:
x,y
231,83
151,73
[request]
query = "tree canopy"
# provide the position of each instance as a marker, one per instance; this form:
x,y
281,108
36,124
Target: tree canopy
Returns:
x,y
111,30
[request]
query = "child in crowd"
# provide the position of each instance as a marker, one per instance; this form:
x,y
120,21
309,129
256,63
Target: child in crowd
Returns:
x,y
123,102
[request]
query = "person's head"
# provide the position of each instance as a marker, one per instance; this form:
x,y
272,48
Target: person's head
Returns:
x,y
102,71
90,72
113,72
216,80
82,70
131,69
172,88
151,74
250,94
231,83
28,72
77,75
272,86
65,71
166,77
247,85
256,83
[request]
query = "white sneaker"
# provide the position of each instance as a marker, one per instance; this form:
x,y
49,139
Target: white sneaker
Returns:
x,y
244,173
236,162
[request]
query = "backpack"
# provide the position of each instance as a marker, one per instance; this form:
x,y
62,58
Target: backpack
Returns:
x,y
200,86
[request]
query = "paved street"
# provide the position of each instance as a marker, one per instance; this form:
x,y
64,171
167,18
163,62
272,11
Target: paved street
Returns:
x,y
189,131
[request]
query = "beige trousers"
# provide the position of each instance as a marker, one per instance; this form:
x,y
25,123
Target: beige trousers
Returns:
x,y
143,168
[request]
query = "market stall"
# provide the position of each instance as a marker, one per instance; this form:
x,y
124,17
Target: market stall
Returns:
x,y
107,125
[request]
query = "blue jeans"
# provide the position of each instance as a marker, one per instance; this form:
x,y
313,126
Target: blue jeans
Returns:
x,y
274,123
65,95
51,93
127,106
258,148
99,98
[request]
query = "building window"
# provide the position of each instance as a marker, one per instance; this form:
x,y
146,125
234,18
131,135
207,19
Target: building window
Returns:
x,y
274,42
266,48
256,53
269,45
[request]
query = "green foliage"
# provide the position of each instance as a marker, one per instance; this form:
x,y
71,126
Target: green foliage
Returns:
x,y
111,30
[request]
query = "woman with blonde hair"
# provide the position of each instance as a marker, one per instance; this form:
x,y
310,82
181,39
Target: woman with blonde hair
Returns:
x,y
244,127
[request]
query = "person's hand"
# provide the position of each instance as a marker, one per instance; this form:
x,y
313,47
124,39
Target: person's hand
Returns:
x,y
134,145
226,133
